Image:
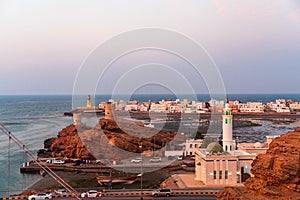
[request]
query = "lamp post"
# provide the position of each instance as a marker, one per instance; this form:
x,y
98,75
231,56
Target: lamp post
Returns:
x,y
141,146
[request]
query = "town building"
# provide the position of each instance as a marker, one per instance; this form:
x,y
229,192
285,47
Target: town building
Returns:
x,y
191,146
279,106
157,107
294,106
223,165
254,107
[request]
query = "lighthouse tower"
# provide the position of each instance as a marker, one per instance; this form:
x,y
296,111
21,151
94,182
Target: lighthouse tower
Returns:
x,y
228,143
88,101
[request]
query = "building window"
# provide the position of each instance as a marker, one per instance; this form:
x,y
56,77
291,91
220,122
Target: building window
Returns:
x,y
226,148
191,145
226,174
220,174
196,145
230,121
226,120
230,147
215,174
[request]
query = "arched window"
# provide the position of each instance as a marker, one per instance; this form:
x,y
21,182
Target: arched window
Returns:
x,y
226,148
226,120
230,147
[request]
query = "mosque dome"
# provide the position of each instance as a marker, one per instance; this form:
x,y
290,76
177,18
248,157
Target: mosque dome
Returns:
x,y
214,147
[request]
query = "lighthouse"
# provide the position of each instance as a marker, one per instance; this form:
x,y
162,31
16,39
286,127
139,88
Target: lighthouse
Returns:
x,y
228,143
88,101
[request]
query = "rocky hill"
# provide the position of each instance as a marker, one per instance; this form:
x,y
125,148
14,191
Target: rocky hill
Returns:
x,y
107,139
276,173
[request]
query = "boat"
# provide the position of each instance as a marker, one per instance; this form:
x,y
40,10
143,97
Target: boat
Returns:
x,y
107,180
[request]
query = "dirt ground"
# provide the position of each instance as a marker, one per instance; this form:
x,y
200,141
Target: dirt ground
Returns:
x,y
82,181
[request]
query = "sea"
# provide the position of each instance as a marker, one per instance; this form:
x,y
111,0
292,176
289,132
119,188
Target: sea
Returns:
x,y
34,118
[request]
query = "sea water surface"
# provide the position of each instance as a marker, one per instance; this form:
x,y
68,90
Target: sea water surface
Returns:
x,y
34,118
31,119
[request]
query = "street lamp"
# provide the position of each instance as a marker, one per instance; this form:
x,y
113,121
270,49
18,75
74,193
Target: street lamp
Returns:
x,y
140,147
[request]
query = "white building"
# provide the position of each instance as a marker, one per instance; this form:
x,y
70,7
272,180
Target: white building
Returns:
x,y
279,106
131,107
174,108
256,107
157,107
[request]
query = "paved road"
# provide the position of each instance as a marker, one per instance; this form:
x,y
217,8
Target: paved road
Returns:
x,y
175,197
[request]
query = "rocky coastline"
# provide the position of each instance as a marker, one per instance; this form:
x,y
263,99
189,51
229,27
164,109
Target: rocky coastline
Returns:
x,y
276,173
71,143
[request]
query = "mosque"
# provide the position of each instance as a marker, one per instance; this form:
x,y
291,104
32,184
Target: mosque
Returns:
x,y
223,165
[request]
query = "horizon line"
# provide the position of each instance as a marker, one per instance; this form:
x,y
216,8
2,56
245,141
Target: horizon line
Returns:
x,y
68,94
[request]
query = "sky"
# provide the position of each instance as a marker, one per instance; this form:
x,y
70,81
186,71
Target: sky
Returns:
x,y
255,44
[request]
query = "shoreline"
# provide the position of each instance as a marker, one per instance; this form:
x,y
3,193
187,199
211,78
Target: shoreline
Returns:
x,y
146,114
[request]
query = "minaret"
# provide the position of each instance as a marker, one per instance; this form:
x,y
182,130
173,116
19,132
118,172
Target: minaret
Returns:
x,y
88,102
228,143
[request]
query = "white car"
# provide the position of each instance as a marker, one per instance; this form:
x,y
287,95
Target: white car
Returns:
x,y
137,160
58,161
61,191
155,159
39,196
55,161
91,193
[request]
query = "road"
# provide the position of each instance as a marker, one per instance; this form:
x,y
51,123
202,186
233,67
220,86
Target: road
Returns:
x,y
175,197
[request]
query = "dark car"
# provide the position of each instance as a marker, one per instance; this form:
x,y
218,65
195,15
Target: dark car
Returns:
x,y
77,162
165,192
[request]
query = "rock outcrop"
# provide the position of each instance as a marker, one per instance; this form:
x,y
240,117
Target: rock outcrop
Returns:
x,y
108,139
67,144
276,173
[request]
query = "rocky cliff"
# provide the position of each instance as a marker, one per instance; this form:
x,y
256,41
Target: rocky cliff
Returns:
x,y
276,173
107,139
67,144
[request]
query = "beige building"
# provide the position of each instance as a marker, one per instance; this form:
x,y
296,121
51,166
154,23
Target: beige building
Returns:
x,y
191,146
257,147
223,165
216,166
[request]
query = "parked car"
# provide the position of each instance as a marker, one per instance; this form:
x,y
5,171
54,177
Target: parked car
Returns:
x,y
161,192
77,162
39,196
55,161
155,159
61,191
179,158
137,160
91,193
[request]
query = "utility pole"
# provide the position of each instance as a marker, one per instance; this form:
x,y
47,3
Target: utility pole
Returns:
x,y
141,149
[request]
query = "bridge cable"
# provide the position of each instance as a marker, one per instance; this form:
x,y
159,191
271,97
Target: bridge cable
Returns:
x,y
8,163
44,166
